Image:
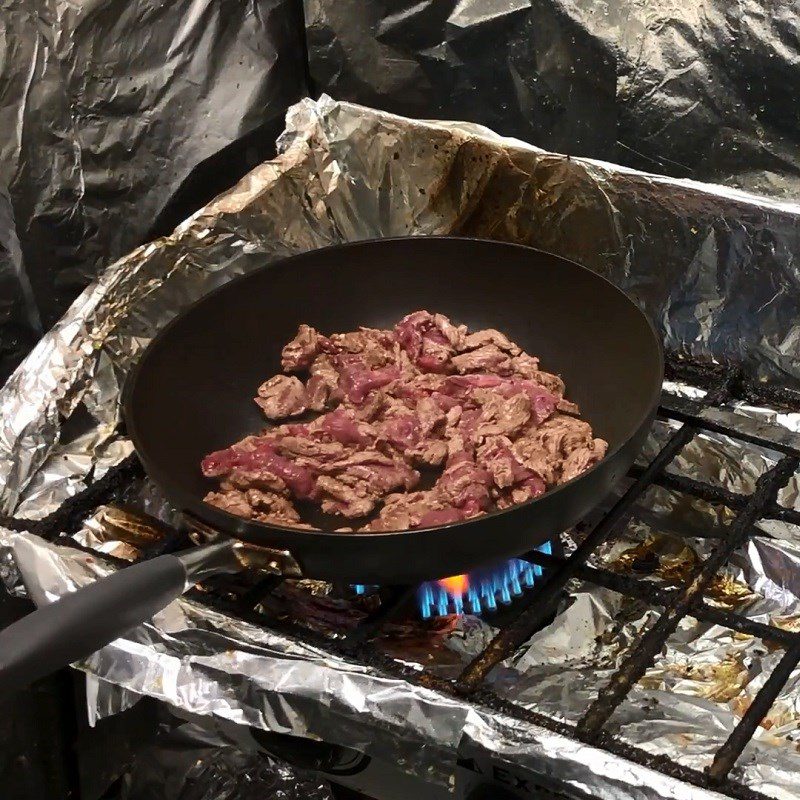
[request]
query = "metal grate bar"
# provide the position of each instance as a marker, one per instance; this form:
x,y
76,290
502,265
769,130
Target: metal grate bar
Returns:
x,y
651,643
255,594
734,745
641,589
680,414
782,513
704,491
391,604
542,597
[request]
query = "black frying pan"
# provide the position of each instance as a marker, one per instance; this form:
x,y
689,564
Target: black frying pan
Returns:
x,y
192,391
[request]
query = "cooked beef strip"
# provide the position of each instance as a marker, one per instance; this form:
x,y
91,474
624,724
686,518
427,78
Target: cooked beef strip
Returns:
x,y
490,336
426,394
488,358
301,351
282,396
430,340
376,347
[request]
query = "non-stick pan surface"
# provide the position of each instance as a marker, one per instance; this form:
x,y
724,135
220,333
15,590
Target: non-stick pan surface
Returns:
x,y
193,389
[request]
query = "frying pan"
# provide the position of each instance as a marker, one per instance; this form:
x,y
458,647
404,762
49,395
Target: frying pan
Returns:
x,y
191,393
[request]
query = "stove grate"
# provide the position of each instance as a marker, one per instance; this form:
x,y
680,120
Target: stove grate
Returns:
x,y
725,385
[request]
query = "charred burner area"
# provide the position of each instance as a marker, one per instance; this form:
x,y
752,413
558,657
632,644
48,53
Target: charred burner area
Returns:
x,y
386,628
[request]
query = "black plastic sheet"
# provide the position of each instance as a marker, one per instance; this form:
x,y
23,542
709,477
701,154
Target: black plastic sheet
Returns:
x,y
689,88
107,107
190,762
19,318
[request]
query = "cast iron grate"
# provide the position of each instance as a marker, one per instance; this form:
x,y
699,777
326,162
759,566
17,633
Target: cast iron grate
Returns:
x,y
724,385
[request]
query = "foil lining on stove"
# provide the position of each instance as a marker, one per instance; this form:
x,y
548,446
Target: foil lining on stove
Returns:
x,y
203,662
688,253
712,267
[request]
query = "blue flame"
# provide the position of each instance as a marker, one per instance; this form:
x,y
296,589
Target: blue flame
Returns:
x,y
486,588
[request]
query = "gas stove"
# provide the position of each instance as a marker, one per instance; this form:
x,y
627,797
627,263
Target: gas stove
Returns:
x,y
459,639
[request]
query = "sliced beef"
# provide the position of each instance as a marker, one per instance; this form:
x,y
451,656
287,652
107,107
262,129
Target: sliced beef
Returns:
x,y
271,507
490,336
357,380
560,449
580,459
464,484
375,347
282,396
258,505
318,393
426,394
233,501
524,365
302,350
351,487
489,358
430,340
259,453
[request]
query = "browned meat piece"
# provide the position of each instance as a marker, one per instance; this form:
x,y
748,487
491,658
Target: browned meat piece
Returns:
x,y
317,393
501,416
493,337
488,358
376,347
430,340
580,459
302,350
525,366
261,477
427,393
549,449
531,453
552,383
257,505
345,496
528,367
403,511
232,501
352,486
416,510
323,382
568,407
259,453
282,396
464,484
270,507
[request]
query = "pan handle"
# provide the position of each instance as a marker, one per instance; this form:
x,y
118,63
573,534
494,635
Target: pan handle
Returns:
x,y
79,623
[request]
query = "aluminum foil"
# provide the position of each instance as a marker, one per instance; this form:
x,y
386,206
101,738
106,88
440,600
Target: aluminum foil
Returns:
x,y
690,88
202,662
706,263
105,109
712,267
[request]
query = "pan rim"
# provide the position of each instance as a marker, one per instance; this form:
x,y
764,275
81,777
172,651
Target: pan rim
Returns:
x,y
207,513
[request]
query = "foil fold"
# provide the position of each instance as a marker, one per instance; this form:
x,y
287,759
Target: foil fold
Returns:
x,y
704,262
711,266
201,662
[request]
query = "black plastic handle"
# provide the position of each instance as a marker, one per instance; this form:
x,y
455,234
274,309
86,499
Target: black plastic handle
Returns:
x,y
84,621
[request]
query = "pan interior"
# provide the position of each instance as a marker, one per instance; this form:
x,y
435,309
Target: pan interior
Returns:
x,y
193,390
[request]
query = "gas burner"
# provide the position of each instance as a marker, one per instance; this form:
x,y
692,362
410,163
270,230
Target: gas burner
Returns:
x,y
483,590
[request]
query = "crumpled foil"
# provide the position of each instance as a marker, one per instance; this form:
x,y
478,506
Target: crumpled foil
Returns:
x,y
691,88
107,106
713,267
203,662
